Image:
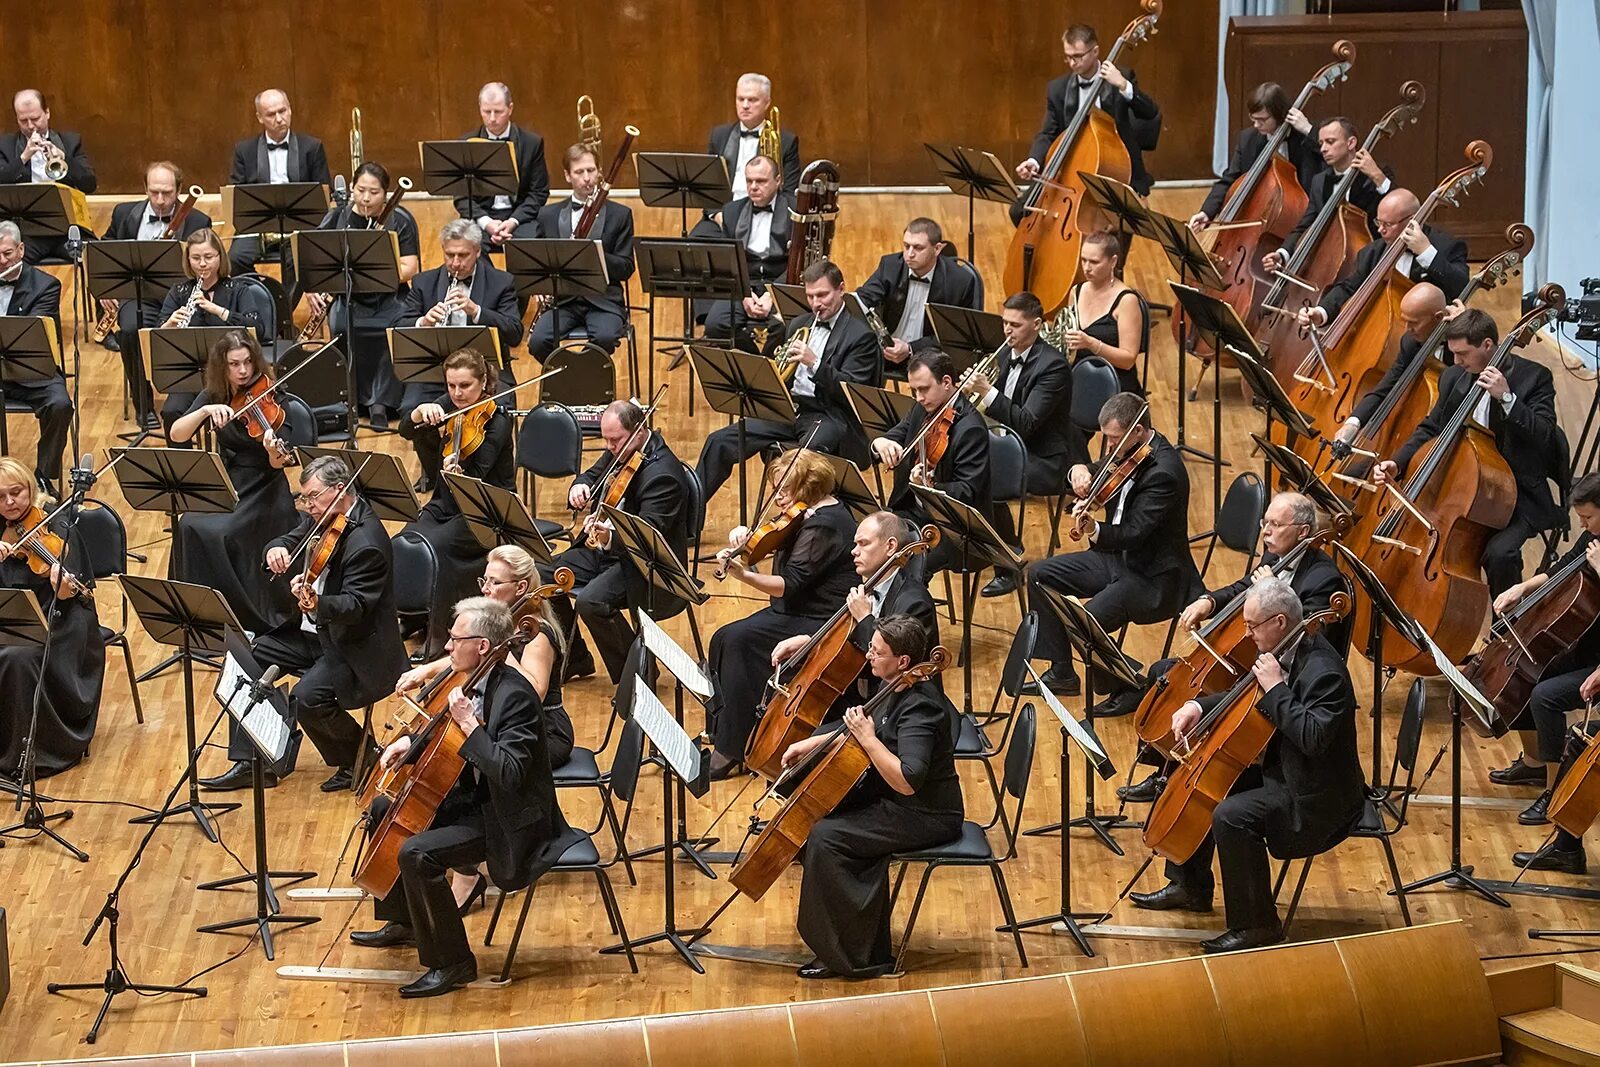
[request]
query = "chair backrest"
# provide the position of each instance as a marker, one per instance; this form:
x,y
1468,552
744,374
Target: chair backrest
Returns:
x,y
1008,465
625,763
1239,521
1019,769
1094,381
283,313
588,376
324,383
104,538
1409,739
550,442
302,421
1015,672
977,281
697,503
261,300
415,569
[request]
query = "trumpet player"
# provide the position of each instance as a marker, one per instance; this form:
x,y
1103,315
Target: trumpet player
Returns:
x,y
37,153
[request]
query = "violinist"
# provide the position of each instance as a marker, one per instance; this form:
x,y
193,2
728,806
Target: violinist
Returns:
x,y
221,550
1421,309
27,290
344,643
501,809
1109,326
1138,567
220,301
1269,108
906,282
952,456
839,348
910,799
71,684
608,585
1304,797
1339,142
1519,408
476,443
809,578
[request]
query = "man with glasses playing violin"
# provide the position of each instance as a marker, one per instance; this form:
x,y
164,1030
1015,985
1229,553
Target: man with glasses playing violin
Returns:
x,y
345,642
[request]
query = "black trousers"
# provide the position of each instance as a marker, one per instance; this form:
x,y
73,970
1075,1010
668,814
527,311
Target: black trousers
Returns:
x,y
1238,836
53,408
603,591
740,655
1551,700
175,406
374,367
314,700
429,446
132,316
1115,594
603,326
725,320
1502,555
422,899
721,453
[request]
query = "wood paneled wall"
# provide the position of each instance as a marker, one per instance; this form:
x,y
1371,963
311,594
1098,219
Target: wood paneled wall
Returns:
x,y
863,82
1474,66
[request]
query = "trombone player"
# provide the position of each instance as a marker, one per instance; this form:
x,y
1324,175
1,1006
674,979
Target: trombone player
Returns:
x,y
37,153
739,142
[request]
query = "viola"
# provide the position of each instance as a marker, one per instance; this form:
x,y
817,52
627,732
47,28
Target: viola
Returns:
x,y
40,548
766,538
263,416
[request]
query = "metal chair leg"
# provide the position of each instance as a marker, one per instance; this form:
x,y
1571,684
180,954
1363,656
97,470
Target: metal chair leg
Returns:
x,y
1394,873
516,936
1294,901
1005,909
911,920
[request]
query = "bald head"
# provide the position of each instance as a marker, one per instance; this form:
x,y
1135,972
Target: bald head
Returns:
x,y
272,111
1422,308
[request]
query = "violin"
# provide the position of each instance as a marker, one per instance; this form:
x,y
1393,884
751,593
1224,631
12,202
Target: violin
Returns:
x,y
323,546
613,484
466,433
40,548
935,442
262,414
1108,483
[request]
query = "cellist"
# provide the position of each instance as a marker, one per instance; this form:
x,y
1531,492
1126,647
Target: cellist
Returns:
x,y
1304,797
1268,107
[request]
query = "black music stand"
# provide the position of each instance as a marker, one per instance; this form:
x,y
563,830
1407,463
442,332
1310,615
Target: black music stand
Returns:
x,y
30,351
966,334
742,386
1267,394
279,210
878,411
688,270
419,352
195,619
558,267
469,169
43,210
1297,474
175,357
683,180
269,743
850,486
136,273
497,516
975,174
378,477
789,301
351,263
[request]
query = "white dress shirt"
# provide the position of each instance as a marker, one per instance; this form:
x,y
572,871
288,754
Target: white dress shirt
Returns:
x,y
804,377
760,238
278,162
909,328
747,152
8,286
152,226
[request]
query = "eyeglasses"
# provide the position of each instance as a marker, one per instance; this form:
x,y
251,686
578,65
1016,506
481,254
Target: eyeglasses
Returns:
x,y
306,498
1252,627
1274,524
486,583
453,639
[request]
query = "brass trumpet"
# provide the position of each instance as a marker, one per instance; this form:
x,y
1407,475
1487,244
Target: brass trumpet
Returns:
x,y
55,158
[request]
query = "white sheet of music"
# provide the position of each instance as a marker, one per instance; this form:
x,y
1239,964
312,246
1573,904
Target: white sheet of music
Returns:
x,y
1476,702
1084,739
670,739
261,720
674,658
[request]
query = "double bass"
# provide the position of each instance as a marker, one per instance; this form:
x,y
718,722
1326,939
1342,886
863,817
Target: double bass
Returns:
x,y
1043,257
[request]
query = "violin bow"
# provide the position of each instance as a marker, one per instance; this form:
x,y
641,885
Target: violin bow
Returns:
x,y
966,375
44,523
321,524
278,383
1116,455
621,457
491,399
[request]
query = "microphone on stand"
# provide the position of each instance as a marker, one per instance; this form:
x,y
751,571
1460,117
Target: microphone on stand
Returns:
x,y
341,191
82,475
74,242
259,690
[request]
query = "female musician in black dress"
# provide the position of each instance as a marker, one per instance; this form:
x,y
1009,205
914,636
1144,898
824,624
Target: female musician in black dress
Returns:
x,y
910,799
1112,321
77,666
222,550
468,379
810,579
222,302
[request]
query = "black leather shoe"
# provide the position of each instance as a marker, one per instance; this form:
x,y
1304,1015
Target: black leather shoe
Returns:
x,y
578,667
339,779
423,484
816,969
442,980
1566,861
389,935
1172,897
1114,707
1004,583
1519,773
1537,813
1062,683
378,418
1234,940
1144,792
236,777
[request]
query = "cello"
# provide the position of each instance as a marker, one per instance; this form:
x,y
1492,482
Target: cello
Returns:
x,y
1043,257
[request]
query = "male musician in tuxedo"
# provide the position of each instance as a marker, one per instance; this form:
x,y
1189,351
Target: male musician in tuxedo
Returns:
x,y
838,349
27,290
906,282
1137,567
738,142
1269,108
344,644
608,584
146,220
761,224
604,319
1340,146
1518,406
24,158
1431,255
1120,97
466,290
1421,309
276,156
961,471
1031,392
1304,796
502,809
499,217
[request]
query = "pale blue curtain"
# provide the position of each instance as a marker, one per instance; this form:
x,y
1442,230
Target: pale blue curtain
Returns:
x,y
1222,143
1541,19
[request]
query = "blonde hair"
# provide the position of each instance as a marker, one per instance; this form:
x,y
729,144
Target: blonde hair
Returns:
x,y
525,569
811,478
16,472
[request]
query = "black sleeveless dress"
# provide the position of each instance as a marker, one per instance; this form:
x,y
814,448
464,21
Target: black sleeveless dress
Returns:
x,y
1104,329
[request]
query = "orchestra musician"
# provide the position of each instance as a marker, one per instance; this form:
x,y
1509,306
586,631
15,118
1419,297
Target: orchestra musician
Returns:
x,y
1304,796
961,468
839,348
469,379
222,550
1268,107
910,799
276,156
498,217
502,809
146,220
1340,145
1420,309
344,643
27,290
738,141
1519,408
1137,568
378,391
906,282
608,585
69,692
761,223
603,319
1431,255
1111,327
25,157
808,581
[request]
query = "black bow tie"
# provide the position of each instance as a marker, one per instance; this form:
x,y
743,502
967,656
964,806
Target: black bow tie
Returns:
x,y
281,146
158,218
925,281
759,210
749,133
578,205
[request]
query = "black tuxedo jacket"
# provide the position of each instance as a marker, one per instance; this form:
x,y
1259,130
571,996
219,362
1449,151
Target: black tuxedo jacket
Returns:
x,y
962,472
1039,413
724,142
1316,578
1363,194
885,290
125,220
308,161
658,494
1153,535
613,229
357,623
1406,352
1527,436
852,355
1300,149
533,180
1061,103
80,172
908,595
37,293
492,289
772,265
1448,270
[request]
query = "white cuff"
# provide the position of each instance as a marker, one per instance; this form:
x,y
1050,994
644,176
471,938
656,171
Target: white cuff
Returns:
x,y
1385,185
989,397
1426,256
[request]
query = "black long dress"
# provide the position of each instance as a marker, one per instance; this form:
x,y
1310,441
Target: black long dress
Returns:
x,y
375,380
817,574
558,737
844,892
1105,330
226,551
76,672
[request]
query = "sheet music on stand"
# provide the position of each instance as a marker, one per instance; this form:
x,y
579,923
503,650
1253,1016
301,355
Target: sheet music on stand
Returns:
x,y
1080,732
674,658
260,720
670,739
